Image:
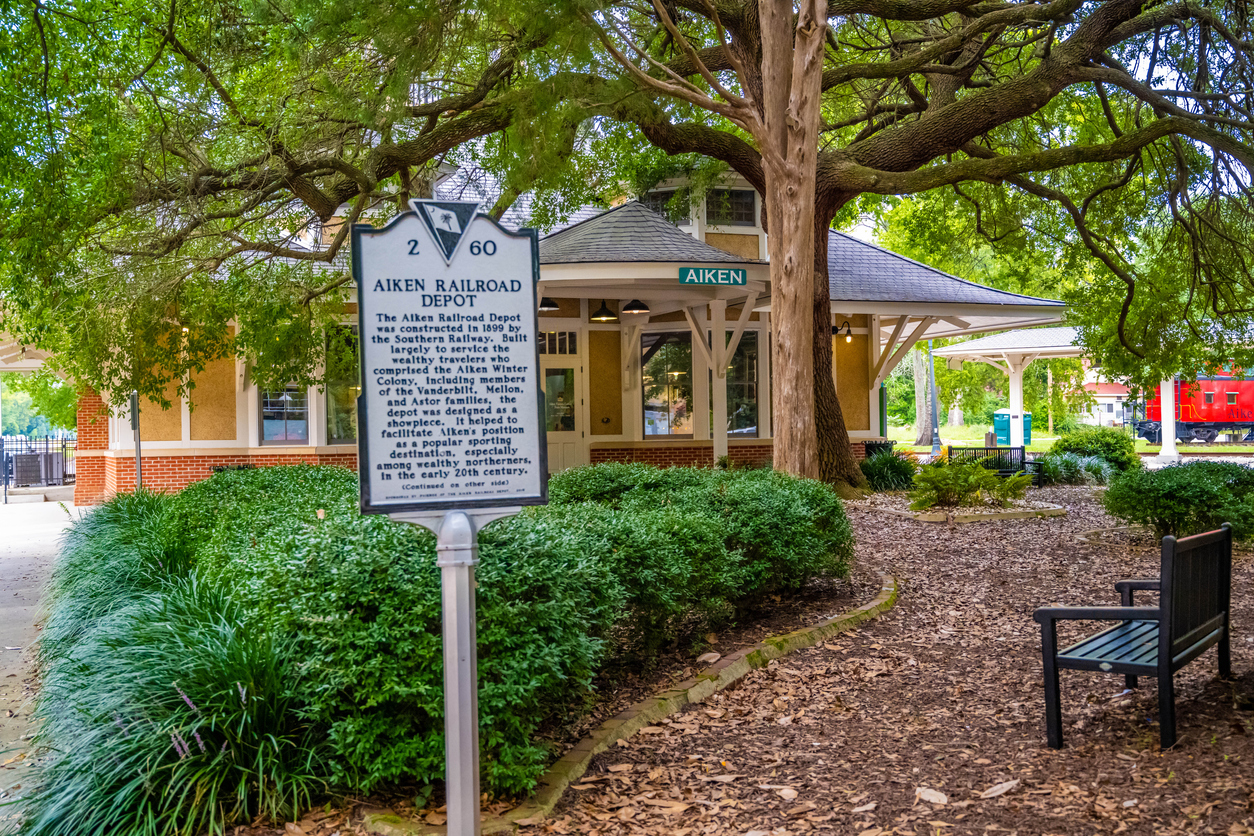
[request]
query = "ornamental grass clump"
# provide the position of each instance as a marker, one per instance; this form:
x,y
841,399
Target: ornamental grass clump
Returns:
x,y
241,649
1071,469
890,470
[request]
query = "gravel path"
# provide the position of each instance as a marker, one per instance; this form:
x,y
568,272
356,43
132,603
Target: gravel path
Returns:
x,y
902,726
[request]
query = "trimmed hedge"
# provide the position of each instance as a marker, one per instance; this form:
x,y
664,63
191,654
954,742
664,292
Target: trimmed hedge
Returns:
x,y
1115,446
328,630
1185,499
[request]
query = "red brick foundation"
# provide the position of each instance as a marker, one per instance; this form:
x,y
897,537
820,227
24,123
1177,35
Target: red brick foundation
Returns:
x,y
696,453
93,434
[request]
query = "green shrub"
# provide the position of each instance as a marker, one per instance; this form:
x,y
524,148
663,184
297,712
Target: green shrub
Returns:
x,y
1097,470
1185,499
889,470
950,484
1115,446
336,621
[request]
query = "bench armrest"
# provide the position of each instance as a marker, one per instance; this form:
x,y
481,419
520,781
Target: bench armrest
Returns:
x,y
1126,587
1048,615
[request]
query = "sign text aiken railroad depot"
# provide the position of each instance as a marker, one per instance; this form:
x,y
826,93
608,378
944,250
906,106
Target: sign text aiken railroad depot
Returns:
x,y
449,414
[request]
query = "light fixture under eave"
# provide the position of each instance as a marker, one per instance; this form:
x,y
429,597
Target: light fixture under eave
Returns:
x,y
548,305
844,326
635,306
603,314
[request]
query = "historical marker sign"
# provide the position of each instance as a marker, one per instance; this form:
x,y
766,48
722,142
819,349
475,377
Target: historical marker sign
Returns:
x,y
450,411
449,429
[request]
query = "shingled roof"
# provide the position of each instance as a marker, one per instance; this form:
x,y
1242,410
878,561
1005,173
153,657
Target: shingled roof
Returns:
x,y
861,272
1060,339
630,233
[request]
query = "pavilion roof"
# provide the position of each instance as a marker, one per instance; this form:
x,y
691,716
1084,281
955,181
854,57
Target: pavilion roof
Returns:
x,y
630,233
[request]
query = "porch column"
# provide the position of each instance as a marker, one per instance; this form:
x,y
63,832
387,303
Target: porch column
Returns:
x,y
1167,395
718,353
1016,368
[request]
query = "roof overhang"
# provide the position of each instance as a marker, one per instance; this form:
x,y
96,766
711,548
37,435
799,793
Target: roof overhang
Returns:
x,y
16,357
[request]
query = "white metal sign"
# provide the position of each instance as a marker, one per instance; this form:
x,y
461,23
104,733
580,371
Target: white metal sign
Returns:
x,y
449,415
449,427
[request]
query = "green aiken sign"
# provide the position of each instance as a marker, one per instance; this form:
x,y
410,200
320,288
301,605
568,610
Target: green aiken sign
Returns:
x,y
713,275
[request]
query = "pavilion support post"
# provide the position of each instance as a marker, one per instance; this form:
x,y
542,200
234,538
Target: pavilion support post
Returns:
x,y
1167,392
1016,402
719,358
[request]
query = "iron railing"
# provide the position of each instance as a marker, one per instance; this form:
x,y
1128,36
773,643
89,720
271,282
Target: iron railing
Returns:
x,y
36,462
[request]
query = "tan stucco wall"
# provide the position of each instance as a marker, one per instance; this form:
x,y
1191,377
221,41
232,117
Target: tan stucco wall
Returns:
x,y
745,246
156,424
853,380
605,392
566,308
213,401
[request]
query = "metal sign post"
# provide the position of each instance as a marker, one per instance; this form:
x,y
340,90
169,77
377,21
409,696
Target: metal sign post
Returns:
x,y
450,427
139,461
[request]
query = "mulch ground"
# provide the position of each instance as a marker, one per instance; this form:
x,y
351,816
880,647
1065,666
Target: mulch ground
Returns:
x,y
930,719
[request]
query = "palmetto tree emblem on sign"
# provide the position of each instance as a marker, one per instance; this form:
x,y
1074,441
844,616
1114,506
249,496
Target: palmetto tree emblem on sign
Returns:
x,y
447,222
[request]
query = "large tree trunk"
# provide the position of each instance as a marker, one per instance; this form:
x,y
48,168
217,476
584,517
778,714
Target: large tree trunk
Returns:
x,y
836,461
922,401
792,66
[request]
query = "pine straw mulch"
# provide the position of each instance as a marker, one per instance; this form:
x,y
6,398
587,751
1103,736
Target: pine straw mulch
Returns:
x,y
902,726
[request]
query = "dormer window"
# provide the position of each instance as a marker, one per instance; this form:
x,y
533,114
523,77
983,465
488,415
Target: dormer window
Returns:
x,y
665,204
731,207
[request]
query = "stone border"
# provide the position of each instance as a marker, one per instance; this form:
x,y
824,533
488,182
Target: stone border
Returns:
x,y
1092,537
958,518
571,766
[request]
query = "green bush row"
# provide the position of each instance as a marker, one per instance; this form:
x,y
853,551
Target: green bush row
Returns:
x,y
1186,498
251,643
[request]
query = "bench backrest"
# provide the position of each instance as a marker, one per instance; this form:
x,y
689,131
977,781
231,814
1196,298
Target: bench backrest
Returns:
x,y
993,458
1196,589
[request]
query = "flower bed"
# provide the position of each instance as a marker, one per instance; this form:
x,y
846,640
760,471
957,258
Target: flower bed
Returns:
x,y
898,504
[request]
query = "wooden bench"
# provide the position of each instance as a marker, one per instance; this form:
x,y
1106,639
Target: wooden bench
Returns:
x,y
1194,588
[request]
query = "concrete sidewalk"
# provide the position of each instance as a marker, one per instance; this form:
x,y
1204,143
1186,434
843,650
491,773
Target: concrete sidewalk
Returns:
x,y
29,535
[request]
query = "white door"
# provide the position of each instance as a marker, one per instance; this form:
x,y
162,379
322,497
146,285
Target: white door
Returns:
x,y
563,412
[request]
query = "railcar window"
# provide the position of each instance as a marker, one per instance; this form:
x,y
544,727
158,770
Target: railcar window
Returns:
x,y
1232,399
1210,397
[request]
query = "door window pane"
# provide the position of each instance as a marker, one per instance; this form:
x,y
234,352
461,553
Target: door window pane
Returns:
x,y
666,366
559,400
285,416
343,386
742,388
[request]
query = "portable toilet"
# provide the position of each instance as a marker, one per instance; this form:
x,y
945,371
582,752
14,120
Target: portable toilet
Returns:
x,y
1001,425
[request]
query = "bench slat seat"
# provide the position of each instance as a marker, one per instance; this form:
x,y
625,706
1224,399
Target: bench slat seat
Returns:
x,y
1130,647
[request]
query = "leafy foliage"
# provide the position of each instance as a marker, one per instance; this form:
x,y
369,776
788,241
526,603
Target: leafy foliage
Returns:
x,y
890,470
1115,446
949,484
1186,498
1065,468
260,616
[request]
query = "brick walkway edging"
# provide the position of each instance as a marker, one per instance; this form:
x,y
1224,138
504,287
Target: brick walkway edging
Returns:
x,y
717,677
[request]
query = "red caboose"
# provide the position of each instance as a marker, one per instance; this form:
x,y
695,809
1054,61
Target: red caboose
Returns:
x,y
1218,404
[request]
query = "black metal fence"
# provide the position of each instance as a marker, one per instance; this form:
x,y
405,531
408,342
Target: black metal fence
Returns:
x,y
36,462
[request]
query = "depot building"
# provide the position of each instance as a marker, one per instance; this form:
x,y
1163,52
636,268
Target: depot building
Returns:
x,y
654,346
